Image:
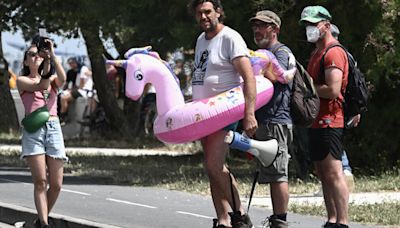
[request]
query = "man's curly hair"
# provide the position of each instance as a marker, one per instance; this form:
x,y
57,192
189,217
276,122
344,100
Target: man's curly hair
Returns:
x,y
216,3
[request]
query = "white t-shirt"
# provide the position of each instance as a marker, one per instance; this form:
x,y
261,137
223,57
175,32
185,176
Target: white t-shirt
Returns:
x,y
86,75
213,68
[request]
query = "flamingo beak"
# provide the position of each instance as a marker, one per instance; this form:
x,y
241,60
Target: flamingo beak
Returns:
x,y
118,63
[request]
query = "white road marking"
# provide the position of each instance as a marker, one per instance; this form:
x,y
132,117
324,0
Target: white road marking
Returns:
x,y
76,192
13,181
63,189
192,214
130,203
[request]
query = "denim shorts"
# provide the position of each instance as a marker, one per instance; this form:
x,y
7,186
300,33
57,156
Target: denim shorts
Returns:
x,y
47,140
231,127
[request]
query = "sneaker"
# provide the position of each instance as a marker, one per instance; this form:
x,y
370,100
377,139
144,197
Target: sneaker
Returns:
x,y
63,118
38,224
19,224
319,193
240,221
274,222
215,222
329,225
63,121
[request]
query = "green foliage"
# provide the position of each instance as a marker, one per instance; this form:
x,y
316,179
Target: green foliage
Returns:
x,y
369,28
375,145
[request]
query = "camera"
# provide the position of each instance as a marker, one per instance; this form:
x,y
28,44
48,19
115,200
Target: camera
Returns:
x,y
42,44
40,40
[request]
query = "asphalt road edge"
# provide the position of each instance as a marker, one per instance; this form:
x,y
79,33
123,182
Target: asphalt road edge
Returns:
x,y
12,214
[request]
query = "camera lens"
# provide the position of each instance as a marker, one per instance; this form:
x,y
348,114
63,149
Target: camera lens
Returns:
x,y
42,44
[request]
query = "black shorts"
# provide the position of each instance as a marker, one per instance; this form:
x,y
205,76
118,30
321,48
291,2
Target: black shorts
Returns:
x,y
325,140
75,93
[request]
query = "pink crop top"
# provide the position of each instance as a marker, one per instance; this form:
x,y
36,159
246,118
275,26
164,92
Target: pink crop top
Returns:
x,y
35,100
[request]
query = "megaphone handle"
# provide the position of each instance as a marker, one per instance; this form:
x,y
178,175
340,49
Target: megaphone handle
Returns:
x,y
245,135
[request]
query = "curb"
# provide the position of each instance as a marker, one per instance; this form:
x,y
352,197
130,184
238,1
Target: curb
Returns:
x,y
11,214
366,198
107,151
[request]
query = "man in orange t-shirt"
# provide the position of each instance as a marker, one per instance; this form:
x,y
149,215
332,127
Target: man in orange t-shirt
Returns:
x,y
325,136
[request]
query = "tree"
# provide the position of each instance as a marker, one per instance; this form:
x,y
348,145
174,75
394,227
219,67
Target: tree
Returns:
x,y
8,115
68,20
166,24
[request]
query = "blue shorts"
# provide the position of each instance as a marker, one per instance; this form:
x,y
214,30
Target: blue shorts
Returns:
x,y
47,140
231,127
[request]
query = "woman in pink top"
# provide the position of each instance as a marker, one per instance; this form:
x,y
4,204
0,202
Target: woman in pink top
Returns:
x,y
44,149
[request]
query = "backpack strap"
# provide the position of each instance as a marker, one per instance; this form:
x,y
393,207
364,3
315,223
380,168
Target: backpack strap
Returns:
x,y
277,48
323,68
323,59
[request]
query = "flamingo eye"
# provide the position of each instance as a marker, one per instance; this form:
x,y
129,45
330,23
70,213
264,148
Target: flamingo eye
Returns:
x,y
139,75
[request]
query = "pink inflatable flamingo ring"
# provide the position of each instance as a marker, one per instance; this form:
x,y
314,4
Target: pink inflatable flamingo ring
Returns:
x,y
180,122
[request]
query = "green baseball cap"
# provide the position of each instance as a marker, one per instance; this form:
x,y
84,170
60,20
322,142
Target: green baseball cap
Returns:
x,y
314,14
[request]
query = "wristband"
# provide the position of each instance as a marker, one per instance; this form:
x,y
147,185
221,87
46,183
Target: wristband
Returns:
x,y
47,76
51,71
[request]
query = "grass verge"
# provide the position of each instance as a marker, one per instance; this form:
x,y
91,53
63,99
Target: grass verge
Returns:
x,y
386,214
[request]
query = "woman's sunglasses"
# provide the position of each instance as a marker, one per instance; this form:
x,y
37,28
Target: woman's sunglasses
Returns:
x,y
32,54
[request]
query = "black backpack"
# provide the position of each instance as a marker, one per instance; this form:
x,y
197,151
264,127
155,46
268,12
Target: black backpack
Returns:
x,y
356,93
304,102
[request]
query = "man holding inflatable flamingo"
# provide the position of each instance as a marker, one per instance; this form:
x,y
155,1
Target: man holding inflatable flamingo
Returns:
x,y
221,57
274,117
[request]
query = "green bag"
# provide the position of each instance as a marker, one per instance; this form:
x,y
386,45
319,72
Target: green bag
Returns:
x,y
36,119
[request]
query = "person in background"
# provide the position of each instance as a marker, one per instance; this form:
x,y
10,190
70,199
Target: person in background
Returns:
x,y
12,82
345,161
83,87
68,85
178,68
326,133
274,118
44,149
71,74
221,58
183,70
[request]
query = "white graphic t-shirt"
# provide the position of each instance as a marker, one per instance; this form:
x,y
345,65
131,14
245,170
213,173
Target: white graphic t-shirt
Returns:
x,y
86,75
213,68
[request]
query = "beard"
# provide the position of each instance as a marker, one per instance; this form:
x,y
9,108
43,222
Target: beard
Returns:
x,y
212,26
263,43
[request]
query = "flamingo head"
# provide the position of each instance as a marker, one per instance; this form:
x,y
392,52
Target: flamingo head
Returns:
x,y
135,78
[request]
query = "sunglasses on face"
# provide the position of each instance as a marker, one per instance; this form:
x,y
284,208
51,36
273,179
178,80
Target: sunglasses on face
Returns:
x,y
32,54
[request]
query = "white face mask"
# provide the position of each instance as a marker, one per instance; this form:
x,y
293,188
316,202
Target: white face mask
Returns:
x,y
312,33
